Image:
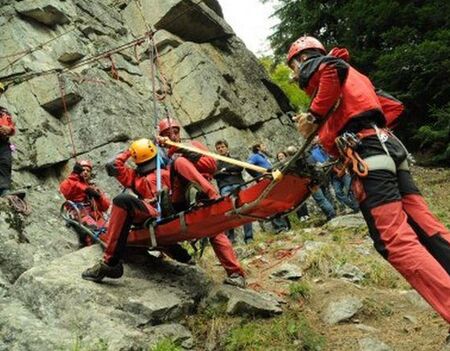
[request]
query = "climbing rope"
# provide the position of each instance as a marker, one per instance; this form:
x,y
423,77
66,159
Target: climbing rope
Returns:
x,y
27,52
67,114
19,205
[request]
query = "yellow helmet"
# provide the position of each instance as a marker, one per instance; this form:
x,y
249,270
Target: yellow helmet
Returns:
x,y
142,150
2,87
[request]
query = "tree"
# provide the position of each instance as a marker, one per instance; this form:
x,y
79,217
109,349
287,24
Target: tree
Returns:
x,y
280,75
402,45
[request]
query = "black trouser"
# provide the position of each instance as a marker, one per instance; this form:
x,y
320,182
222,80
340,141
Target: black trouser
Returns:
x,y
403,229
5,166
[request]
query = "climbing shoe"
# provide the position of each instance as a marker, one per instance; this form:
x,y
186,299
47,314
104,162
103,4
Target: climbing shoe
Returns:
x,y
101,270
236,279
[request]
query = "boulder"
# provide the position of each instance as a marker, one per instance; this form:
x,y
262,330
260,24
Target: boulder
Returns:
x,y
287,271
70,48
149,294
176,16
244,302
350,273
372,344
48,12
341,310
52,92
348,221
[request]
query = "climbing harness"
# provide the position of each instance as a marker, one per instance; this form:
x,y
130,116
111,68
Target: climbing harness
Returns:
x,y
347,144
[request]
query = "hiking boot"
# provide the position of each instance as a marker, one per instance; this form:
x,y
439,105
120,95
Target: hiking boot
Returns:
x,y
101,270
236,279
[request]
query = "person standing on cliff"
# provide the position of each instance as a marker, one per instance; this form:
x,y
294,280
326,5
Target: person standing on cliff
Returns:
x,y
7,129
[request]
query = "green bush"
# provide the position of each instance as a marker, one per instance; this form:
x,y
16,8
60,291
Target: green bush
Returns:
x,y
280,75
166,345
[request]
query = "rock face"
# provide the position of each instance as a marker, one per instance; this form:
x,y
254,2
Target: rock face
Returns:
x,y
64,102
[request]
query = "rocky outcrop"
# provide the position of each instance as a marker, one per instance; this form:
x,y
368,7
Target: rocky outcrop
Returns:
x,y
215,88
244,302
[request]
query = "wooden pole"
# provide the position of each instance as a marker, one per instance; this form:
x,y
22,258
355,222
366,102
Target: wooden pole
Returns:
x,y
230,160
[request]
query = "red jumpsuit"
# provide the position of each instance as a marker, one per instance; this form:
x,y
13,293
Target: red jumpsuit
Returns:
x,y
5,151
128,210
92,209
191,167
400,223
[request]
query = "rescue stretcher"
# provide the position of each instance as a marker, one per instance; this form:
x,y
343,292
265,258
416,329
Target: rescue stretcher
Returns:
x,y
261,199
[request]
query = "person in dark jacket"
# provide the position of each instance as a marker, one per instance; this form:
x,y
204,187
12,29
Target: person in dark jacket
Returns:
x,y
259,157
405,232
7,129
229,177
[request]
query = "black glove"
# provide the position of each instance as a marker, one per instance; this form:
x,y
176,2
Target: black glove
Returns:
x,y
92,193
191,155
111,169
77,168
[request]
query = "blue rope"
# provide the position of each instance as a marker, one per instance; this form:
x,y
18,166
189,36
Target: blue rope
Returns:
x,y
155,108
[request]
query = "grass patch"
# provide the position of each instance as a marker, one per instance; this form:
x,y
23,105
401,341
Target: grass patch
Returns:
x,y
380,274
292,331
165,345
321,263
376,309
300,289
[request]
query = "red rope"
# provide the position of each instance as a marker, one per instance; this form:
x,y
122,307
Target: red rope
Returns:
x,y
67,114
164,84
114,72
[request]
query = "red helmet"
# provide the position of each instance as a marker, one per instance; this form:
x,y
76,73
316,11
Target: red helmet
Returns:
x,y
304,43
167,123
86,163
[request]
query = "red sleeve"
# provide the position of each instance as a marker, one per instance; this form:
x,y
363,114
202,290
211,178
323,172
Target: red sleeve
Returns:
x,y
6,120
103,202
72,189
328,91
126,175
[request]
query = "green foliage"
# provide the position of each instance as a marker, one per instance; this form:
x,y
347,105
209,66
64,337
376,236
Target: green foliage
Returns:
x,y
401,45
301,289
280,75
377,308
288,332
436,136
166,345
215,310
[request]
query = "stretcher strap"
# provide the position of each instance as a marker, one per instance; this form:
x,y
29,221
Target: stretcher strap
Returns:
x,y
151,230
183,225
